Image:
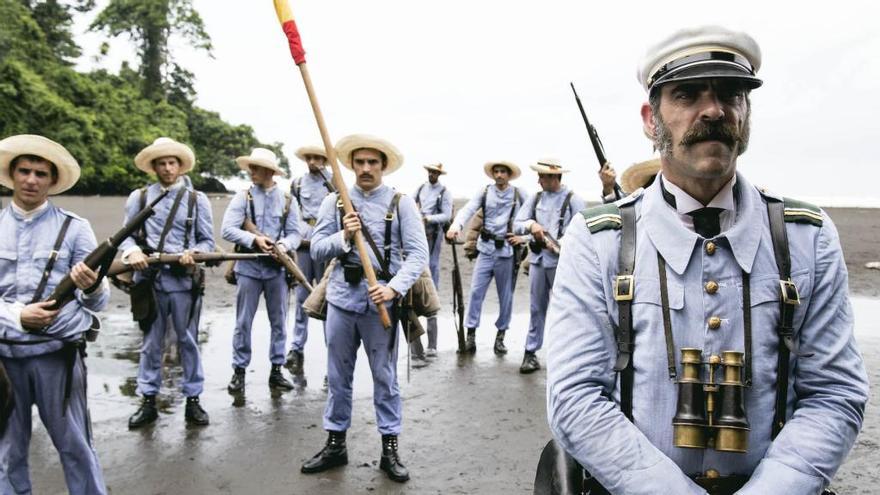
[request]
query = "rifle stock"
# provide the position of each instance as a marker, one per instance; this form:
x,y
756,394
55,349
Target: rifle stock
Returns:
x,y
101,257
457,298
282,256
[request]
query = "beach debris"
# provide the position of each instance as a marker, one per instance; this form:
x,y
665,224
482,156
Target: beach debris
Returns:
x,y
873,264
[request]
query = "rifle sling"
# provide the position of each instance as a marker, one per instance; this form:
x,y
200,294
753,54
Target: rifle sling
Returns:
x,y
50,263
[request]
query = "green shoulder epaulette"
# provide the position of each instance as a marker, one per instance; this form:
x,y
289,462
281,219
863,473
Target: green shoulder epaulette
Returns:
x,y
801,212
602,217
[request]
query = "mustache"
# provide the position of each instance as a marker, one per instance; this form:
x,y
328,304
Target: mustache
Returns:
x,y
712,131
365,176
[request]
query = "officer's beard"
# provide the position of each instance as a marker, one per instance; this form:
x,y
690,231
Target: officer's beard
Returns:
x,y
703,131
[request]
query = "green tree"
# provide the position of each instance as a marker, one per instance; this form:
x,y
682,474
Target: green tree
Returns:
x,y
55,19
150,24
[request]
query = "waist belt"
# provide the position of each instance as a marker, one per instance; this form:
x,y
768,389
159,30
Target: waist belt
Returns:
x,y
489,237
721,485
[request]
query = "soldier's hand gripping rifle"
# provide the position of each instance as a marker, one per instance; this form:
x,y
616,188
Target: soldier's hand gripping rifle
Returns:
x,y
282,256
595,141
457,298
102,256
119,268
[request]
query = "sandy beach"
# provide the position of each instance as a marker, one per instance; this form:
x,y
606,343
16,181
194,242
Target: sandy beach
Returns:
x,y
471,425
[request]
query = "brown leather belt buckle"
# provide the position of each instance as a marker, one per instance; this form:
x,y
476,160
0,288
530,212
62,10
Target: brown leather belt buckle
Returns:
x,y
624,287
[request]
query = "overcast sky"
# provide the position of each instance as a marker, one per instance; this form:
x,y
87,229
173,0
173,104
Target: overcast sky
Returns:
x,y
465,82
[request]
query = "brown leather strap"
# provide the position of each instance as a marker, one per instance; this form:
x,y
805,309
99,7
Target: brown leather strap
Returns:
x,y
667,320
50,263
169,222
625,338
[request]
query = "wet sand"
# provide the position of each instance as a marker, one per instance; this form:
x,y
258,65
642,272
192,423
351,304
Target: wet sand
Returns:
x,y
472,425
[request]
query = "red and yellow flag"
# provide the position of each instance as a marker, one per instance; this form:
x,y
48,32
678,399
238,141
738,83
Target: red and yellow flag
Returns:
x,y
288,24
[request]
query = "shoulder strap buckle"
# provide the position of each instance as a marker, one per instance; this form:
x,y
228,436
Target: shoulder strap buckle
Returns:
x,y
624,288
790,293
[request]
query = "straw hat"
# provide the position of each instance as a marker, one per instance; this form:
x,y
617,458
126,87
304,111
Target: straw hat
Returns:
x,y
435,168
514,169
30,144
310,150
165,146
349,144
548,166
261,157
638,174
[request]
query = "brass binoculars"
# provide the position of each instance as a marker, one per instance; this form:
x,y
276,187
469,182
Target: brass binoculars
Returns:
x,y
711,413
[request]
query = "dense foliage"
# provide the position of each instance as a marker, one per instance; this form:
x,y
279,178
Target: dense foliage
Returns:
x,y
104,119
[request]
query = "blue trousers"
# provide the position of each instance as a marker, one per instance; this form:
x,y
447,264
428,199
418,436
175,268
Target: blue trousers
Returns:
x,y
247,293
541,283
173,307
434,264
487,267
345,332
41,380
313,272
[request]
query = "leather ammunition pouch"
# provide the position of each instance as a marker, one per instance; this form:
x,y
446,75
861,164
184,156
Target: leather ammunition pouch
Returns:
x,y
353,274
143,303
536,246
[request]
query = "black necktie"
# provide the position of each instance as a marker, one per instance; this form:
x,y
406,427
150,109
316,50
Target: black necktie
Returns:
x,y
707,221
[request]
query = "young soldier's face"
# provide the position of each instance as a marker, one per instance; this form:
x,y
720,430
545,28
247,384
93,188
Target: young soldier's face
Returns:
x,y
549,182
31,181
433,176
261,176
167,170
315,163
368,165
501,174
702,126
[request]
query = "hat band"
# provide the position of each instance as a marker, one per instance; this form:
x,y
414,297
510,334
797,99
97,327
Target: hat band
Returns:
x,y
550,165
667,70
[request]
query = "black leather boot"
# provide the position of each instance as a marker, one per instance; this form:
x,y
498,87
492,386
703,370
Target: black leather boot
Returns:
x,y
500,349
332,455
194,414
277,380
236,384
295,360
390,462
470,345
145,414
530,363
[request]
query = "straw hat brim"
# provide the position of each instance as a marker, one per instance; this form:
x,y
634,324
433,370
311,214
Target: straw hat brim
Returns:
x,y
514,169
310,150
432,168
349,144
144,159
542,169
245,161
31,144
638,174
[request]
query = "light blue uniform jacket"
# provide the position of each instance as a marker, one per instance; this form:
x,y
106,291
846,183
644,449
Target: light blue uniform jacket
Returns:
x,y
310,195
407,235
827,391
495,218
547,214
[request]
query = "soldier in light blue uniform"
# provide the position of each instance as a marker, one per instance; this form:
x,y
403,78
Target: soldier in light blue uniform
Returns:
x,y
42,349
275,215
710,251
500,203
544,216
435,203
182,223
309,189
351,311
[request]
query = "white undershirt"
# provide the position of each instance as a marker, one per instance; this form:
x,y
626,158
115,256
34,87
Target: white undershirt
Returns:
x,y
685,203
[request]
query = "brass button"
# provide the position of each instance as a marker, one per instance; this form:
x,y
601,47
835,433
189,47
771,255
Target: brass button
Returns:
x,y
712,473
714,323
711,287
710,248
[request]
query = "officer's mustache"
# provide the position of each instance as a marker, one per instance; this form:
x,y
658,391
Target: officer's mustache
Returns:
x,y
712,131
365,176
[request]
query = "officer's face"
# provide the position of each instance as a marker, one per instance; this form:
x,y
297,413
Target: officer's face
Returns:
x,y
550,182
31,181
368,165
433,176
501,174
261,176
701,128
167,170
315,163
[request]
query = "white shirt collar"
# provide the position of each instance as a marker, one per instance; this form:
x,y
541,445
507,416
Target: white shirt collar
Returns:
x,y
27,215
685,203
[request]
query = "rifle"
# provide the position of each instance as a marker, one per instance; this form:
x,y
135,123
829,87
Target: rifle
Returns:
x,y
119,268
550,243
594,139
457,299
281,255
102,256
